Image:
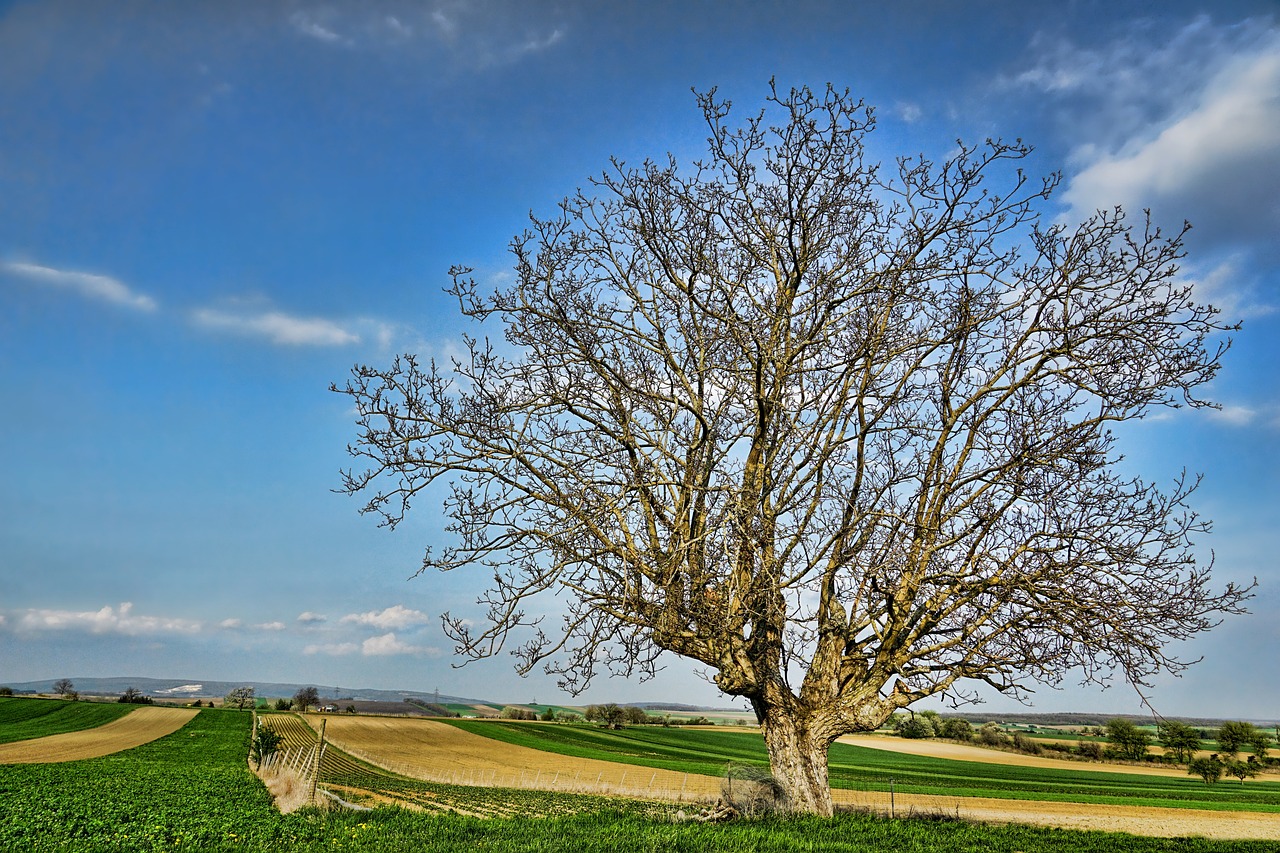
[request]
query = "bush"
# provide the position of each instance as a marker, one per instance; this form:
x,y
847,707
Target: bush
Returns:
x,y
915,729
1089,749
6,691
957,729
1022,743
992,735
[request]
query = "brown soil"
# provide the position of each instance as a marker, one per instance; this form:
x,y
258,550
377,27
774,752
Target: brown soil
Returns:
x,y
139,726
426,749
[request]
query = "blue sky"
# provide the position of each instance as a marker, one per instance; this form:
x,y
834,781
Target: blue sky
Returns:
x,y
209,212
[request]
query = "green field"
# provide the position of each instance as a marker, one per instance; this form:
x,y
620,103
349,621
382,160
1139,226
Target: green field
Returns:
x,y
706,751
192,791
23,718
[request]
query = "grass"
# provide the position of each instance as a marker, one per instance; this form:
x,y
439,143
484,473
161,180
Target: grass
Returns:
x,y
860,768
23,718
192,791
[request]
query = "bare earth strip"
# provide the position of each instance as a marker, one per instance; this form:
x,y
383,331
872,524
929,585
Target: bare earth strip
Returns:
x,y
438,752
133,729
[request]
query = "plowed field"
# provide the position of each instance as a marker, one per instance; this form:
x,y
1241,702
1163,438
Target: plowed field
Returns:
x,y
134,729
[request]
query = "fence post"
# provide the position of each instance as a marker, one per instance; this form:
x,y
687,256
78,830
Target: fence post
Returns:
x,y
315,775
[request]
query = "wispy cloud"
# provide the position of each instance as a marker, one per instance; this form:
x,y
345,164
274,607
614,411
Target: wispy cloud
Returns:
x,y
396,616
473,33
88,285
107,620
308,618
331,649
276,327
270,626
311,26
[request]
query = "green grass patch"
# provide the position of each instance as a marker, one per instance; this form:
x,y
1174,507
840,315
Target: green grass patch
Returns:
x,y
23,718
861,768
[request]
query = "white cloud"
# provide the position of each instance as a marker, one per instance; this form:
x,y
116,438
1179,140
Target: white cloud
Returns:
x,y
309,618
89,285
396,616
332,649
1234,415
230,624
388,644
276,327
1219,160
270,626
108,620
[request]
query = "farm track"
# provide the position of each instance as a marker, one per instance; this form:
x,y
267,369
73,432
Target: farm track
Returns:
x,y
429,750
143,725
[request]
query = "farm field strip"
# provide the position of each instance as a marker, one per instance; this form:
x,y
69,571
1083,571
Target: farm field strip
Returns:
x,y
24,718
437,752
352,778
142,725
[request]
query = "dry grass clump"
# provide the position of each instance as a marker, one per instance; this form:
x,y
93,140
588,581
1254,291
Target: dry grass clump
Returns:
x,y
289,788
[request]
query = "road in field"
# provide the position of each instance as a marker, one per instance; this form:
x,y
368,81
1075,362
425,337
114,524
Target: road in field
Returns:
x,y
435,751
140,726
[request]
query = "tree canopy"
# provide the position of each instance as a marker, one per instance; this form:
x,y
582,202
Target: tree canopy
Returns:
x,y
839,431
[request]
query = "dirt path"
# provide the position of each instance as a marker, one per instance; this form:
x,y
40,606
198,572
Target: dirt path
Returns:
x,y
140,726
426,749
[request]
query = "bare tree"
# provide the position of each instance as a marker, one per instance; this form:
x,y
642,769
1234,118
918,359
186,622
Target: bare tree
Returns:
x,y
305,698
64,688
840,432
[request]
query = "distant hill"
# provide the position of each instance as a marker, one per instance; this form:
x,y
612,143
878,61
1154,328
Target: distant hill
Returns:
x,y
195,688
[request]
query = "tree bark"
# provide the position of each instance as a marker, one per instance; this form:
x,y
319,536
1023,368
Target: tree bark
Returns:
x,y
798,760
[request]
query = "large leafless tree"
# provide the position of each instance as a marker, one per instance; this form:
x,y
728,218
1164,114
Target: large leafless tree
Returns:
x,y
839,431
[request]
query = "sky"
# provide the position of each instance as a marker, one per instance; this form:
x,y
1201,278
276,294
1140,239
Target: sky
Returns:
x,y
211,211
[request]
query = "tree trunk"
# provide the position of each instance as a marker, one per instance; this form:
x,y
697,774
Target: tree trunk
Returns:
x,y
798,760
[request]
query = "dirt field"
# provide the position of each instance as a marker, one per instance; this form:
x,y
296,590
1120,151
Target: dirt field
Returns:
x,y
140,726
439,752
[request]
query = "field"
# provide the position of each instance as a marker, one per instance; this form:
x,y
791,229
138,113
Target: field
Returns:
x,y
142,724
22,718
192,790
525,755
